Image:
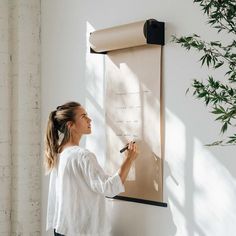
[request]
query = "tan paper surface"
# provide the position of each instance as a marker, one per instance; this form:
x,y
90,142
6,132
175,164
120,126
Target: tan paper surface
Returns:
x,y
132,101
124,36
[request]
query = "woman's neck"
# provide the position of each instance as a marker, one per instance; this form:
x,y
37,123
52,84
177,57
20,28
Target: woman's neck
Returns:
x,y
69,144
72,142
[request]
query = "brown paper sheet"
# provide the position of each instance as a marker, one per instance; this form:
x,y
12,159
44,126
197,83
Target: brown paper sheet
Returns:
x,y
132,102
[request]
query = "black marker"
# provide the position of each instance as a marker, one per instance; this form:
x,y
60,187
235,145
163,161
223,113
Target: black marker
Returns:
x,y
125,148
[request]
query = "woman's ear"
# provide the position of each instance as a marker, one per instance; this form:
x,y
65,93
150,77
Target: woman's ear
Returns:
x,y
69,124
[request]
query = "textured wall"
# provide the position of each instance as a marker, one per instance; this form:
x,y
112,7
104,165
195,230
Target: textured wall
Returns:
x,y
20,117
5,106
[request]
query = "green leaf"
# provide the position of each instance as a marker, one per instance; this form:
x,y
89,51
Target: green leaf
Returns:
x,y
217,111
232,139
216,43
219,64
208,59
224,127
203,58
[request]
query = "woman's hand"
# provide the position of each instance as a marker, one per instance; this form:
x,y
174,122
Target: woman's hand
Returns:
x,y
132,151
131,155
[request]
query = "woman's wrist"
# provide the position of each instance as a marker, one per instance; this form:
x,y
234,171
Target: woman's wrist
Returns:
x,y
130,158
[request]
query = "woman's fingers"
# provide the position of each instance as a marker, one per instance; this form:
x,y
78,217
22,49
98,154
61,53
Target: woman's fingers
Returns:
x,y
129,146
132,150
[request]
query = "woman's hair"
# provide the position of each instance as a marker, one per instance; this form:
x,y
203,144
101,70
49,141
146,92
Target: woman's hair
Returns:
x,y
58,134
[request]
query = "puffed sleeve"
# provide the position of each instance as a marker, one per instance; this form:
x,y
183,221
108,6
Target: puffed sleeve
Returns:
x,y
97,179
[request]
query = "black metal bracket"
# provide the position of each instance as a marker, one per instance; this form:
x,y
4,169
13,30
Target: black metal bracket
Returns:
x,y
154,32
138,200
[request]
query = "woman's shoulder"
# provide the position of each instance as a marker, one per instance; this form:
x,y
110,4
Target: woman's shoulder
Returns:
x,y
83,152
83,156
75,155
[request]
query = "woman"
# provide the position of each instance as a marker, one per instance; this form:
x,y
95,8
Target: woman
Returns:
x,y
78,185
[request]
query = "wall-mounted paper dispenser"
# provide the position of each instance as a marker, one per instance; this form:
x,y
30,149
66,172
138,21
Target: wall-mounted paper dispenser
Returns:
x,y
129,35
132,102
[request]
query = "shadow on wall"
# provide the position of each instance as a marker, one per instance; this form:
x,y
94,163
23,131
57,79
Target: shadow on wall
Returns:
x,y
203,178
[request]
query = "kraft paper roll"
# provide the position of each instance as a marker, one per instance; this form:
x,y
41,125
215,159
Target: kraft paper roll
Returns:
x,y
129,35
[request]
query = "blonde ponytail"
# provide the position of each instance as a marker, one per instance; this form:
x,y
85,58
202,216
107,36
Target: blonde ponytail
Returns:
x,y
56,127
51,141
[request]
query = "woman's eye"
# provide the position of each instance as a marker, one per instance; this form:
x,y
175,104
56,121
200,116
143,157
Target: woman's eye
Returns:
x,y
84,116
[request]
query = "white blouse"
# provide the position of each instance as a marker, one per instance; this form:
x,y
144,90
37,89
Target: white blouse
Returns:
x,y
76,197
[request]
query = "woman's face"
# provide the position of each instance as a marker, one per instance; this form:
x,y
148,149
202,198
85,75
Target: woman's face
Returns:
x,y
82,123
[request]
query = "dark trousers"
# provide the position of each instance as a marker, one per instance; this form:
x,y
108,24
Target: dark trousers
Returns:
x,y
57,234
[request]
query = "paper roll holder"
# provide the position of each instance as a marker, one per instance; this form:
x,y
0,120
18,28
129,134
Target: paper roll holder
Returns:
x,y
154,32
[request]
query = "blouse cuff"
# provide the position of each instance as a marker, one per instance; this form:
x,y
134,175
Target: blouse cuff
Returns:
x,y
117,180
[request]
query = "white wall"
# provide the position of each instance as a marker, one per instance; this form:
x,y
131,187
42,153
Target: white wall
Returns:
x,y
199,182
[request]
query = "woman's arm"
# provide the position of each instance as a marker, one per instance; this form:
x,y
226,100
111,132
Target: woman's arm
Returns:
x,y
131,155
99,181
